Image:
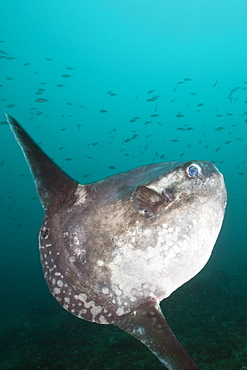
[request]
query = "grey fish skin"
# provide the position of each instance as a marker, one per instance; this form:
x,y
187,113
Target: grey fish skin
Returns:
x,y
112,250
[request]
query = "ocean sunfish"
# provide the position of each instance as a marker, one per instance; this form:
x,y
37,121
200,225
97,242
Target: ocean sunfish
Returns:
x,y
113,249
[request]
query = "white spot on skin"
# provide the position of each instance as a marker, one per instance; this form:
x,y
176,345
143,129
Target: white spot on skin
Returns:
x,y
120,311
60,283
118,292
82,312
105,290
102,320
56,291
100,263
93,308
132,299
81,297
76,240
67,300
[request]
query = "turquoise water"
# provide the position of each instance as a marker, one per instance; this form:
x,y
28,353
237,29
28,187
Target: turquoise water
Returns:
x,y
103,87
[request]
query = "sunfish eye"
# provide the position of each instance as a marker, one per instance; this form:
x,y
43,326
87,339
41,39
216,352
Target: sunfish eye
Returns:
x,y
193,170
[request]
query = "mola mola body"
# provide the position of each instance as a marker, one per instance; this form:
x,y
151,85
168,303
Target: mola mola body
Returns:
x,y
113,249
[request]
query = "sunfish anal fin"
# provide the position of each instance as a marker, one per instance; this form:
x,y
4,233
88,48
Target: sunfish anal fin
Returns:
x,y
53,185
149,326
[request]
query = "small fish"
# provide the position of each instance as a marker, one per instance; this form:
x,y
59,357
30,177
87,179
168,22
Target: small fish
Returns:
x,y
3,54
103,111
41,100
179,115
65,75
219,128
93,144
215,83
232,92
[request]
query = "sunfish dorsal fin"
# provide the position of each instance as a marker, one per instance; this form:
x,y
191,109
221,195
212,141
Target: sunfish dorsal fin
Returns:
x,y
149,326
53,185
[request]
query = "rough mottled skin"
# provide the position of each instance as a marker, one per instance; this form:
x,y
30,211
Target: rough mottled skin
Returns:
x,y
110,250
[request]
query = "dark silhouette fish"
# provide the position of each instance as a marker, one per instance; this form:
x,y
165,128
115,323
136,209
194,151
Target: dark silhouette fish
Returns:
x,y
112,250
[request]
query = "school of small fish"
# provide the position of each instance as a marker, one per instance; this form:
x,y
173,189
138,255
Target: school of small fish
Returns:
x,y
136,137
